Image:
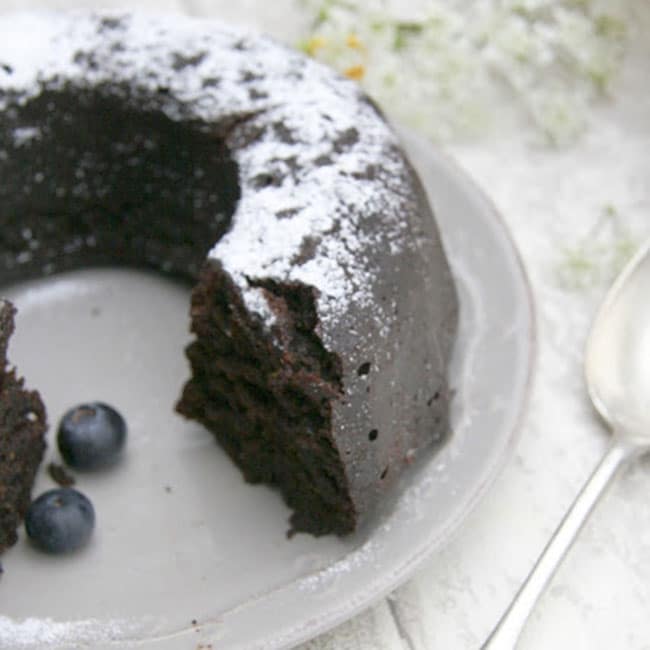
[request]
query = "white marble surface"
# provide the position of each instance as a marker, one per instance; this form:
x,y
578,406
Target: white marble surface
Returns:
x,y
551,199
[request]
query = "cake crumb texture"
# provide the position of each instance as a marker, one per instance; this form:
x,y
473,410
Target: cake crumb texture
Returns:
x,y
22,443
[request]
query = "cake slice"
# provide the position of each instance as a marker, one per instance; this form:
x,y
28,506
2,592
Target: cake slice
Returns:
x,y
22,439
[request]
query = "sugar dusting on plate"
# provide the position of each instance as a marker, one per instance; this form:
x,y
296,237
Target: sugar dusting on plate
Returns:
x,y
44,632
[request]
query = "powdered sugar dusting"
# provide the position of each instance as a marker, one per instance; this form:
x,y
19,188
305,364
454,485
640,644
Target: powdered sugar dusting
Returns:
x,y
256,302
25,135
364,555
300,216
46,632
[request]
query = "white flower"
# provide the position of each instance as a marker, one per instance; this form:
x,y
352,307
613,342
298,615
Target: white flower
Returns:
x,y
439,65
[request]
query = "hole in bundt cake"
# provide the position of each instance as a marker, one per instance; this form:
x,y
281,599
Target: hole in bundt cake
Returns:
x,y
363,369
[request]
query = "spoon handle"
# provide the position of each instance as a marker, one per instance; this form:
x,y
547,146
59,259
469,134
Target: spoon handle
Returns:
x,y
507,631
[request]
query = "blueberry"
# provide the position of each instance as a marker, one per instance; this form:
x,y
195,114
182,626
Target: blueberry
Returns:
x,y
91,436
60,520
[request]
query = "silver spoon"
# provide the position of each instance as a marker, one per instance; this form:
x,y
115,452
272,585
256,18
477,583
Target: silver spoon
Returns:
x,y
617,369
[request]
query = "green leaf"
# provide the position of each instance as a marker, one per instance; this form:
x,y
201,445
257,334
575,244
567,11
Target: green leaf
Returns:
x,y
405,31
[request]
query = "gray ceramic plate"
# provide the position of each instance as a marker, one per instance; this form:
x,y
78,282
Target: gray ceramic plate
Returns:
x,y
185,553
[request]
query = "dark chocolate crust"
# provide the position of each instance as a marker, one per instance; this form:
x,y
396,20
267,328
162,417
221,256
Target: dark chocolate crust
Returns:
x,y
324,308
22,442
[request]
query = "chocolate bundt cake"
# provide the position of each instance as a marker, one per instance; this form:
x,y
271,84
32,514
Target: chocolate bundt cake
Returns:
x,y
323,306
22,441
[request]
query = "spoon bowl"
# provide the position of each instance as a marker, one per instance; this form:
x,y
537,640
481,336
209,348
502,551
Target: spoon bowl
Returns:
x,y
617,359
617,371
